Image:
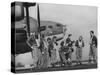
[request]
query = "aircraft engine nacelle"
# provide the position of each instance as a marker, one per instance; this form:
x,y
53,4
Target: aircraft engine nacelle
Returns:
x,y
17,11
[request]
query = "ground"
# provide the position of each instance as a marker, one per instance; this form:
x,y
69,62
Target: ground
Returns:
x,y
85,65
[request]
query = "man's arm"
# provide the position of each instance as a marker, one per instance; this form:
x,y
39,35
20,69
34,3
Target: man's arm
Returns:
x,y
58,39
95,38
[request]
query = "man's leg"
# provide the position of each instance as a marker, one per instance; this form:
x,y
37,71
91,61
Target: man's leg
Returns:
x,y
80,55
94,54
69,57
61,58
77,55
90,54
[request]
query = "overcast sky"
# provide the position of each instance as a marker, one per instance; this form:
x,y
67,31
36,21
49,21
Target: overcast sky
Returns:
x,y
81,18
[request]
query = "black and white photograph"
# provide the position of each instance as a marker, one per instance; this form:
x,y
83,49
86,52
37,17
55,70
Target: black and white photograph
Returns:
x,y
53,37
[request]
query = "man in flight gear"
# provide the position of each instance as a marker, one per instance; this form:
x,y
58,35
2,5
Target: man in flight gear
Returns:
x,y
93,47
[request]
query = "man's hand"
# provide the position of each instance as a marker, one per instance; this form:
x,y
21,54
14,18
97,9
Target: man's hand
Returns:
x,y
42,52
32,47
64,31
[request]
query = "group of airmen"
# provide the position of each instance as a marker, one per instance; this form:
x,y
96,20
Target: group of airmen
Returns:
x,y
45,51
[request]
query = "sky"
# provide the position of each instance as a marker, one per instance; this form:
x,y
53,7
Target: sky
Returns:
x,y
79,20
